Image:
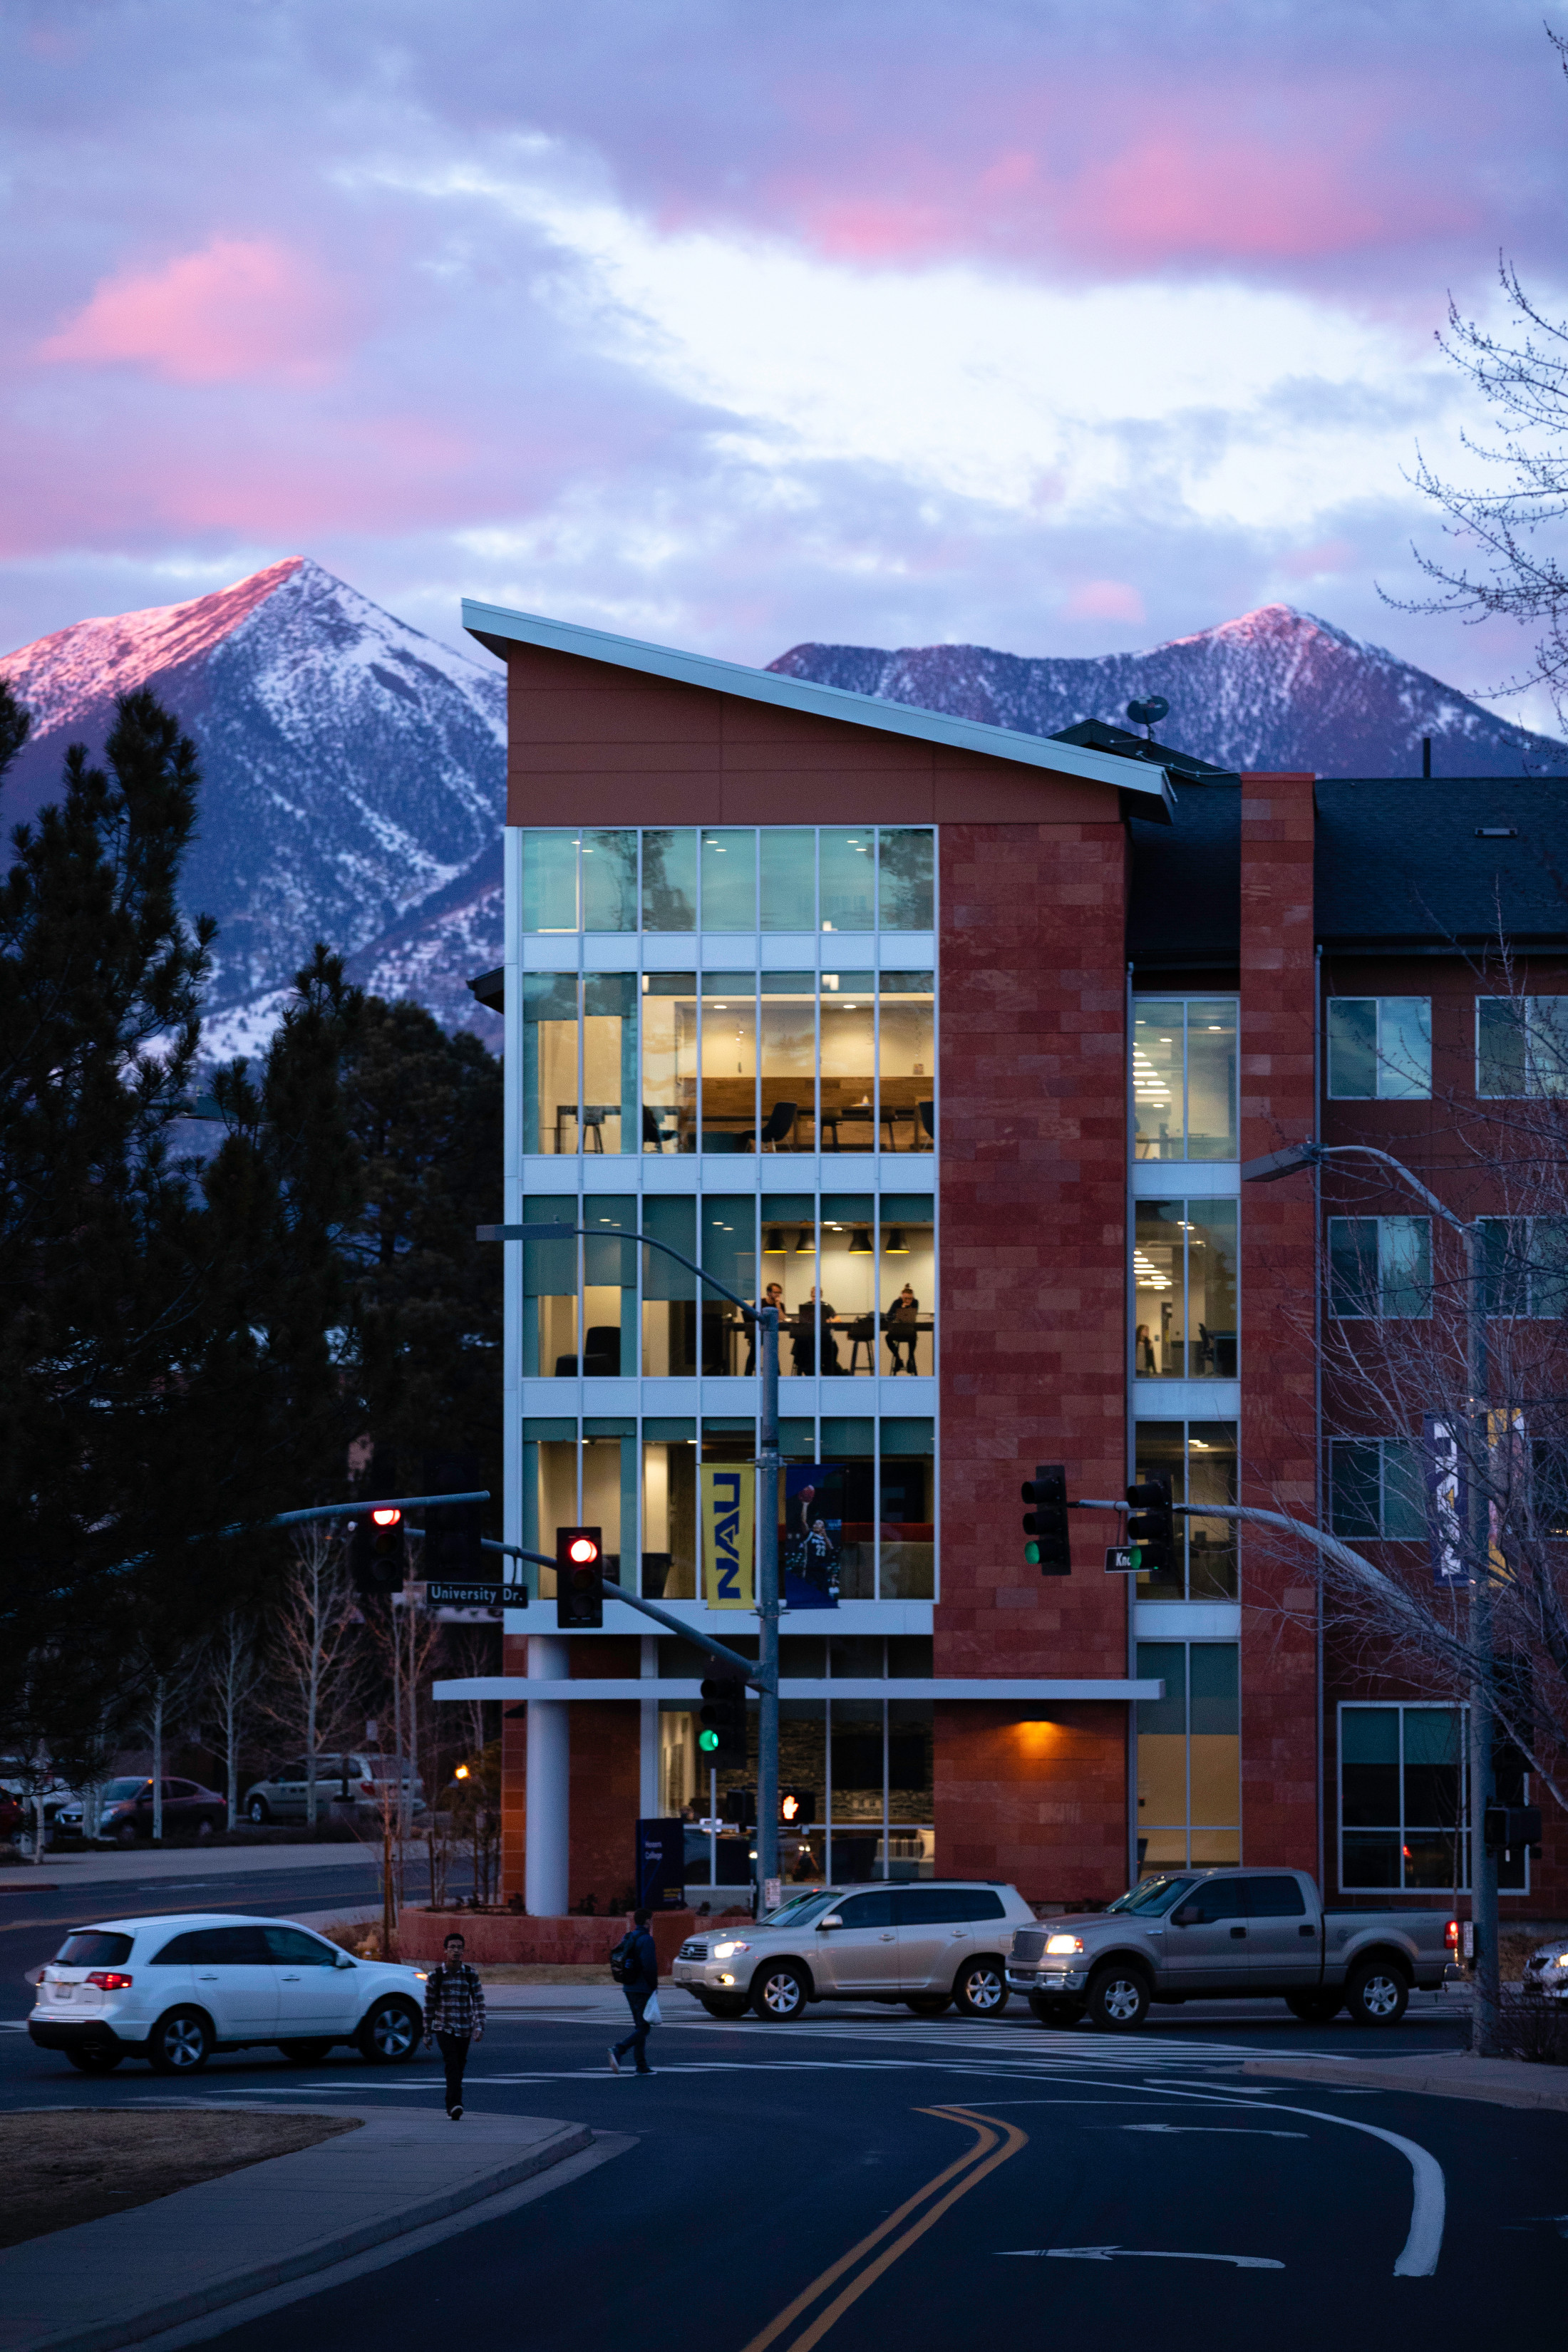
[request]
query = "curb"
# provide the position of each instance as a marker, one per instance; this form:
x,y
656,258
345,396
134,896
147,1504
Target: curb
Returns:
x,y
1402,2076
153,2318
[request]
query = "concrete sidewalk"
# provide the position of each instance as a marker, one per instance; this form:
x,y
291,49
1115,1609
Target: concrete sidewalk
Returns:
x,y
114,1865
1447,2075
110,2283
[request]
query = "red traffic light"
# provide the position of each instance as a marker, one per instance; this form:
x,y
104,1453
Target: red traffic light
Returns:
x,y
583,1552
385,1515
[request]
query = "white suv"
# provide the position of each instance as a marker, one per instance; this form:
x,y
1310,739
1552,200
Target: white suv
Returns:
x,y
925,1944
175,1988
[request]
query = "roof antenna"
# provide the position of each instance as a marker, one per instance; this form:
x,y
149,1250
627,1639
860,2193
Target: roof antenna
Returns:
x,y
1147,714
1425,755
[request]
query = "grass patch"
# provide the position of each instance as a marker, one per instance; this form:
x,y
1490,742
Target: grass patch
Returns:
x,y
79,2164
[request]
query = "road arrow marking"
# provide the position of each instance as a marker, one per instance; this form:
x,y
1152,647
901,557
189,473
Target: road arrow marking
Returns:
x,y
1132,2253
1228,2131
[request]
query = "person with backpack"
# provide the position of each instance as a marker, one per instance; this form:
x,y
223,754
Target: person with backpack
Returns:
x,y
634,1964
455,2015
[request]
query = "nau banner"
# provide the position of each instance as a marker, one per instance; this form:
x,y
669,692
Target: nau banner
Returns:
x,y
1448,1491
727,1550
812,1547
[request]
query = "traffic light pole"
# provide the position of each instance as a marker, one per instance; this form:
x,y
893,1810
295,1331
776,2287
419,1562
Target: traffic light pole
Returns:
x,y
764,1675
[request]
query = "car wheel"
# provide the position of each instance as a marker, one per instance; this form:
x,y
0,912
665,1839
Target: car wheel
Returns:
x,y
726,2007
95,2059
1377,1994
126,1833
259,1811
928,2004
1314,2008
307,2053
779,1993
1051,2009
390,2033
1118,1999
180,2044
980,1990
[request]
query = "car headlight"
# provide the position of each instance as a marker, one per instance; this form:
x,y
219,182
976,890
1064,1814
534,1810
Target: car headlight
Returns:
x,y
1064,1943
728,1951
1561,1961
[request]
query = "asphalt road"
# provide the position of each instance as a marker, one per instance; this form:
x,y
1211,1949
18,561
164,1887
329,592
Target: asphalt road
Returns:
x,y
863,2177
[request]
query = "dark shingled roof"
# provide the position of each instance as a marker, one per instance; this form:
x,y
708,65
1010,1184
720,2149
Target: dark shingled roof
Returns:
x,y
1402,862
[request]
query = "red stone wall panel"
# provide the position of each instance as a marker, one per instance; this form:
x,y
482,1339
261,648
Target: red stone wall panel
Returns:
x,y
1278,1438
1040,1804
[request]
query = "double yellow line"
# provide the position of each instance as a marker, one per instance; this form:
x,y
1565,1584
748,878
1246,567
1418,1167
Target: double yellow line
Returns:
x,y
994,2142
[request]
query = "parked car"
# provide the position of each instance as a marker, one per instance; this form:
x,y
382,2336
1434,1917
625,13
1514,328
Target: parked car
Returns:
x,y
172,1987
1228,1935
360,1780
125,1811
16,1792
1546,1970
924,1945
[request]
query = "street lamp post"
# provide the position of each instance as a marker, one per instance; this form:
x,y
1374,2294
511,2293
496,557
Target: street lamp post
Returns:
x,y
764,1318
1483,1862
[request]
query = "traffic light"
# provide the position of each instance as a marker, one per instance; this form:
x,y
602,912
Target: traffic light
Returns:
x,y
1046,1523
377,1557
452,1554
797,1807
722,1742
579,1573
1507,1828
1151,1527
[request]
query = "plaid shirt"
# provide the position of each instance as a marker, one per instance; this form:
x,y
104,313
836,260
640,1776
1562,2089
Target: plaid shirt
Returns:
x,y
454,2000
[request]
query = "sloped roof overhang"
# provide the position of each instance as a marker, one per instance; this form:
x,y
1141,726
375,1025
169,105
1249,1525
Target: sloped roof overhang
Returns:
x,y
1146,790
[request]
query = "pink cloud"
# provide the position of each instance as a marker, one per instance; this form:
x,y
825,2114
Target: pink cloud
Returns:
x,y
1104,600
243,307
1330,555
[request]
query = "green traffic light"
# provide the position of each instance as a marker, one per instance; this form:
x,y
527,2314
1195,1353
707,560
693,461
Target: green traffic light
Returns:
x,y
1032,1554
1136,1556
708,1741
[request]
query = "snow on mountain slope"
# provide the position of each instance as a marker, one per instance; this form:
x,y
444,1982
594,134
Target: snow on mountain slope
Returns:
x,y
353,768
1276,689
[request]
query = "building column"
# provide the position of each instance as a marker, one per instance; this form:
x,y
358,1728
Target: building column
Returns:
x,y
548,1784
648,1772
1280,1775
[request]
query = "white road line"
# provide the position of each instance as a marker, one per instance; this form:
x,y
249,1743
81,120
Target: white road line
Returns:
x,y
1133,2255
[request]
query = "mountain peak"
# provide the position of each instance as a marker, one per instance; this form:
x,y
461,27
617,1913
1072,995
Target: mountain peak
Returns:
x,y
63,676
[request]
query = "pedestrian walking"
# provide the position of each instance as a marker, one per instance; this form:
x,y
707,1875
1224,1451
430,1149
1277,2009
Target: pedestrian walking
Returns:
x,y
639,1956
455,2016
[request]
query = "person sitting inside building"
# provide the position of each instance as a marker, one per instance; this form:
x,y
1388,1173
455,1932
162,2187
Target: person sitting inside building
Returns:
x,y
900,1323
803,1343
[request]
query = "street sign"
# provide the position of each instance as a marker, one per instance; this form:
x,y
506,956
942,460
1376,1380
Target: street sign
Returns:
x,y
772,1894
661,1864
464,1596
1118,1560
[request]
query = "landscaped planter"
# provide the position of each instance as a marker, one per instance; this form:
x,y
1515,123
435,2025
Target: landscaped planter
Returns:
x,y
516,1939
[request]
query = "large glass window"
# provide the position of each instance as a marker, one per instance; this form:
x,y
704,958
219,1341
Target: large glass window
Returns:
x,y
729,1061
1379,1047
580,881
907,890
670,879
729,868
847,858
1526,1264
549,1292
668,1291
1198,1459
906,1282
1184,1263
1405,1801
1380,1267
907,1511
847,1282
670,1510
788,878
669,1061
579,1075
1189,1756
549,901
1521,1045
1185,1078
906,1051
848,1118
1377,1489
787,1054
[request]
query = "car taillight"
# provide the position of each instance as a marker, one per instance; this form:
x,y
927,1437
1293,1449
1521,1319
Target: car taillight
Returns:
x,y
367,1788
1451,1934
109,1980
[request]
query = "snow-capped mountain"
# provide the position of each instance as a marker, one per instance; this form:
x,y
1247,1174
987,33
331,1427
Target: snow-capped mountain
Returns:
x,y
353,781
1276,689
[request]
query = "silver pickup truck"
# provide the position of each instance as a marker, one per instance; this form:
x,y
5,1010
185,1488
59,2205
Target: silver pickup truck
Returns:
x,y
1227,1935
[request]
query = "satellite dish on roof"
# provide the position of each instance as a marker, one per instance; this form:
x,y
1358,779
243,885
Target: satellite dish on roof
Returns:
x,y
1148,714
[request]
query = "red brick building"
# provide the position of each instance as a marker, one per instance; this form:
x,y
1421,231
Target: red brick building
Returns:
x,y
960,1037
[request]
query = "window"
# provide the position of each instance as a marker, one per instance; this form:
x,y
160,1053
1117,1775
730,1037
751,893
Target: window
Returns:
x,y
1380,1267
1526,1265
291,1946
1401,1800
94,1948
799,878
1379,1047
1189,1756
1377,1489
1184,1265
1521,1045
1185,1078
1198,1459
579,1048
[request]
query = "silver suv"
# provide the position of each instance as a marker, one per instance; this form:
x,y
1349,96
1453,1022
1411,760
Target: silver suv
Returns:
x,y
361,1782
926,1945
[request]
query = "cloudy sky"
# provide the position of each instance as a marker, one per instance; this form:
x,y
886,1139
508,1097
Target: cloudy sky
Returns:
x,y
1059,328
